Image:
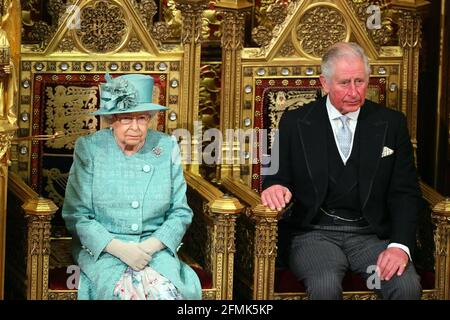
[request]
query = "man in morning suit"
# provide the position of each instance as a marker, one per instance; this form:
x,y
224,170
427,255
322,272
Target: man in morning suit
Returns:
x,y
348,164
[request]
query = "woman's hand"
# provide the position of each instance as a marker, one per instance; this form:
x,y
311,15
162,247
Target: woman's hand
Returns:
x,y
130,253
151,245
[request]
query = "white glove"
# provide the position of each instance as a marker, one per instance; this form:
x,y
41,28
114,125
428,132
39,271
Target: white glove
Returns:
x,y
151,245
129,253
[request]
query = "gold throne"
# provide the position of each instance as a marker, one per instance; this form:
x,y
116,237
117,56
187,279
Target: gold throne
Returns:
x,y
58,91
283,74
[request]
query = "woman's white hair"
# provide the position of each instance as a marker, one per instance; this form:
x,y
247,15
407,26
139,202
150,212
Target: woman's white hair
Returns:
x,y
108,119
339,50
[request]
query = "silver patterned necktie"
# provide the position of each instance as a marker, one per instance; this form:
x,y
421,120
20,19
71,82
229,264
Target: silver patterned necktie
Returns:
x,y
344,136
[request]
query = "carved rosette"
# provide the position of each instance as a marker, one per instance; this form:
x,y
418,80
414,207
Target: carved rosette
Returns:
x,y
66,44
262,36
161,31
103,27
287,49
319,28
134,45
41,31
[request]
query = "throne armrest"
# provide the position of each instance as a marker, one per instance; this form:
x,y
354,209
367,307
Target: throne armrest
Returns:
x,y
210,240
440,207
257,233
31,214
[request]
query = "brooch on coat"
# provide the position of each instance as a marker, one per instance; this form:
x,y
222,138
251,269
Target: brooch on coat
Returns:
x,y
157,151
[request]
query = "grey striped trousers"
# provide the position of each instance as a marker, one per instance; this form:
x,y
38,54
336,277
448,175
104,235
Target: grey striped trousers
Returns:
x,y
321,257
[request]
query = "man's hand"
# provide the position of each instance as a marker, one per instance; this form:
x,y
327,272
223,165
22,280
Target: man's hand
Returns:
x,y
390,261
151,245
130,253
276,197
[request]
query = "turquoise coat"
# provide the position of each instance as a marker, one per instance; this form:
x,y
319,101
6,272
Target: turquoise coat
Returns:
x,y
130,198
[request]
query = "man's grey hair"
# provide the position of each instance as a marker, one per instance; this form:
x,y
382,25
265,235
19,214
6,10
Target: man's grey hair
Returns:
x,y
339,50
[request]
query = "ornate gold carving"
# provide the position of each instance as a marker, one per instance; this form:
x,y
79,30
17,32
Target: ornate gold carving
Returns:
x,y
233,30
66,44
173,18
277,12
39,234
134,45
5,142
287,49
68,110
429,295
319,28
386,34
192,22
266,237
146,10
41,32
262,36
209,103
62,295
441,234
360,296
426,295
410,30
103,27
209,294
161,32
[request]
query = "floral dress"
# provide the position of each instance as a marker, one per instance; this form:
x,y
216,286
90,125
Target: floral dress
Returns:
x,y
146,284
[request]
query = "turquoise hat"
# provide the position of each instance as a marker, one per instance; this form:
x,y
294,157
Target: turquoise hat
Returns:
x,y
127,93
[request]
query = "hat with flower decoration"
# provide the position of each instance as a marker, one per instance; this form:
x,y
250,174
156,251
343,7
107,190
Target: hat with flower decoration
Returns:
x,y
127,93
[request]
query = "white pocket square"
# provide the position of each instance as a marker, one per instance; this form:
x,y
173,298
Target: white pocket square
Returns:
x,y
386,152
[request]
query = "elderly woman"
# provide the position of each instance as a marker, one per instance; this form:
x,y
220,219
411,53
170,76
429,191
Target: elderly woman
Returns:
x,y
125,202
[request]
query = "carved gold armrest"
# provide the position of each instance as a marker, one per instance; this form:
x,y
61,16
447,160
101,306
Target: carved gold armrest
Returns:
x,y
260,231
213,232
38,213
441,218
